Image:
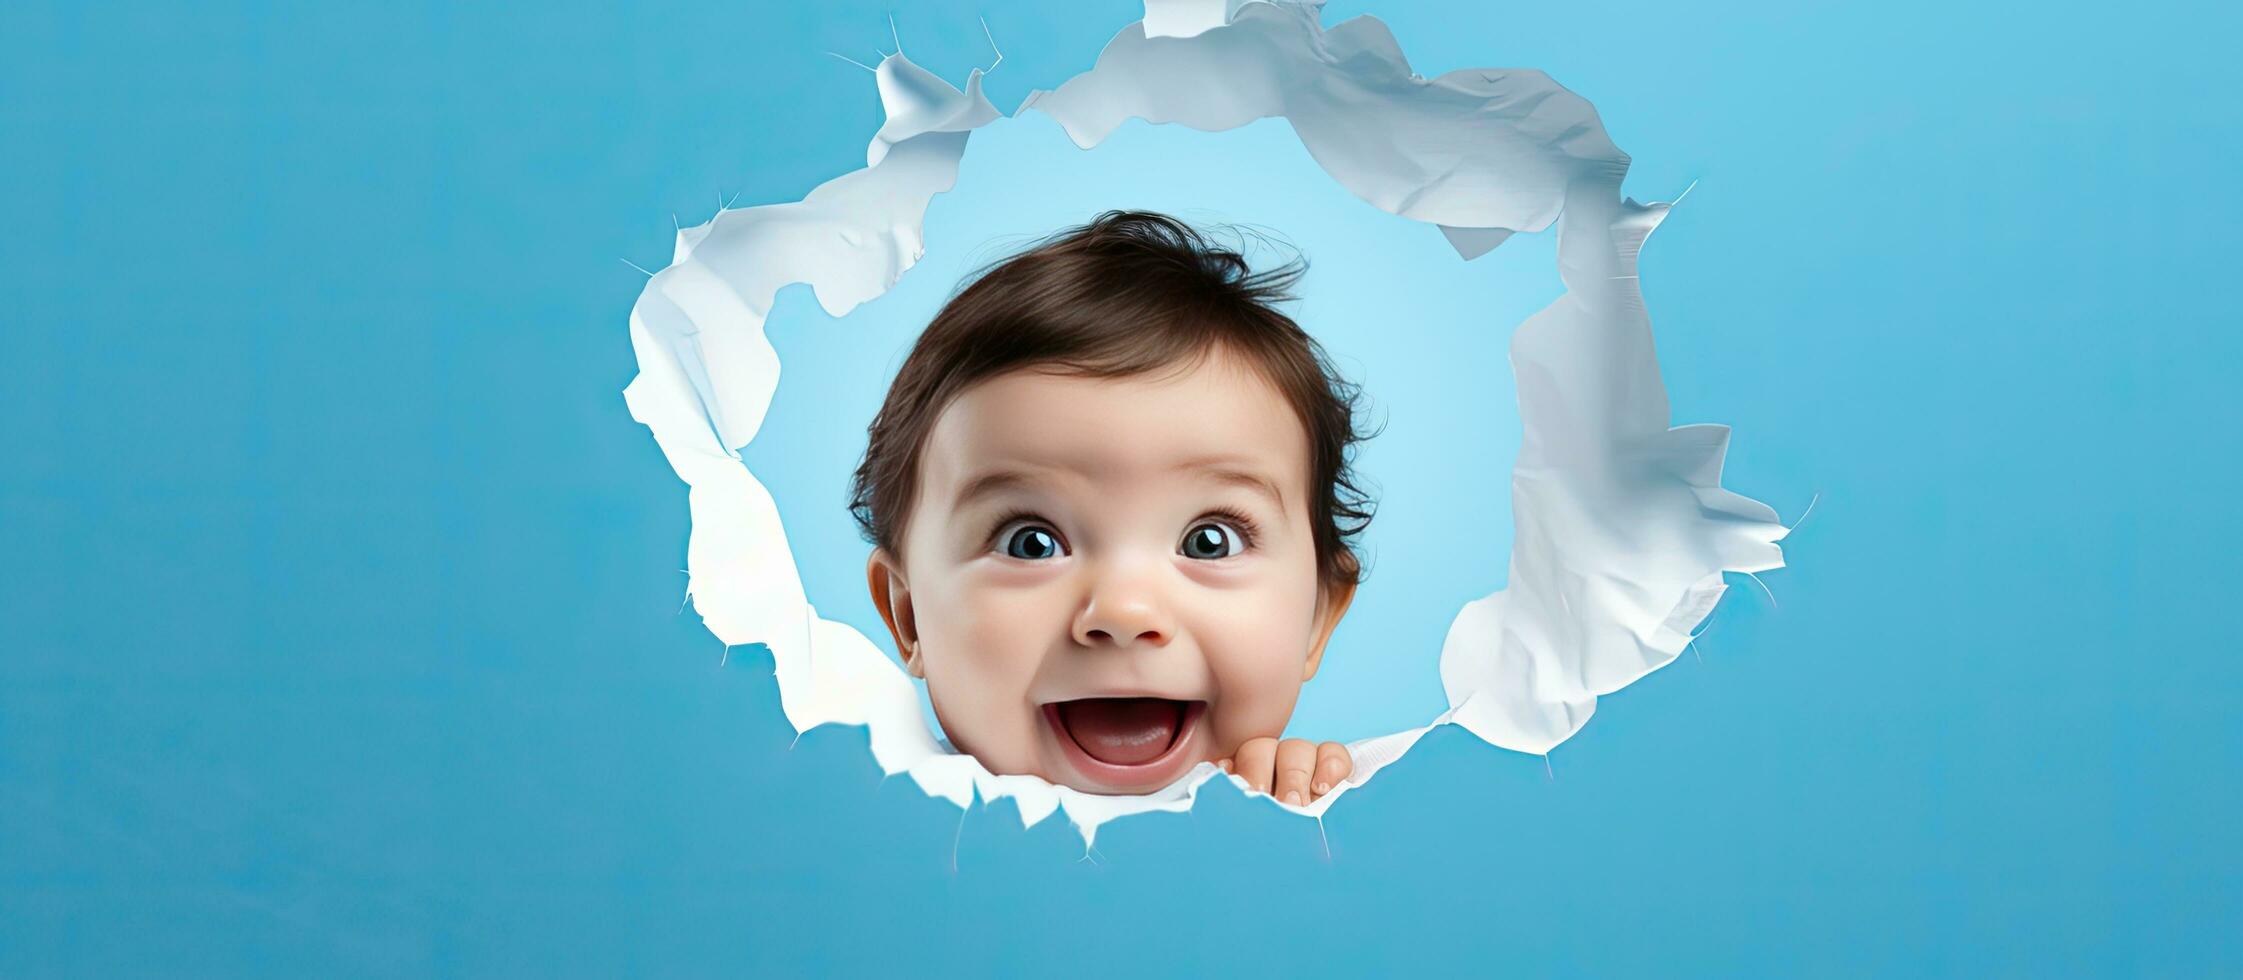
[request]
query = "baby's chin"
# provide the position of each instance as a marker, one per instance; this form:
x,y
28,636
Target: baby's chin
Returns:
x,y
1124,746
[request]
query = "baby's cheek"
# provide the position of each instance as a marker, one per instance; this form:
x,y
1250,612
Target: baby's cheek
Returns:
x,y
1256,687
980,665
979,717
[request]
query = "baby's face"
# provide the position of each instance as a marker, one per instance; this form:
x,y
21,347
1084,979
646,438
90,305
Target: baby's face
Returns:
x,y
1108,581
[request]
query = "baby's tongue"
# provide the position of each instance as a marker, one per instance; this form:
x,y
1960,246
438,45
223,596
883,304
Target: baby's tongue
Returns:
x,y
1123,731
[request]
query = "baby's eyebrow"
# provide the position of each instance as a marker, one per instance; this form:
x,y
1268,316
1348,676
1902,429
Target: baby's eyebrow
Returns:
x,y
986,484
1225,469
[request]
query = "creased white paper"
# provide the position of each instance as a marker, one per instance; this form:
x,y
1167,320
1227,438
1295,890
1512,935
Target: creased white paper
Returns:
x,y
1622,528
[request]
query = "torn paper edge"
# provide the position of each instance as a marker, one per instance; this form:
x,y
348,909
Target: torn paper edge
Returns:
x,y
1622,528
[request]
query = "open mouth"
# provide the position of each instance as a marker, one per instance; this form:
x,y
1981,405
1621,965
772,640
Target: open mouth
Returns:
x,y
1125,742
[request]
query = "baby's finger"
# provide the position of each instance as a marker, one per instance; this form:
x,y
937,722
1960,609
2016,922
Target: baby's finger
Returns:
x,y
1296,761
1332,765
1254,760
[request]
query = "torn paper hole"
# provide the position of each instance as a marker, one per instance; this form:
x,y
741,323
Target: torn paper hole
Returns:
x,y
1622,529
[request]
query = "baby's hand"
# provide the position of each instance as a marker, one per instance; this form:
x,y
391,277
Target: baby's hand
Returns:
x,y
1295,770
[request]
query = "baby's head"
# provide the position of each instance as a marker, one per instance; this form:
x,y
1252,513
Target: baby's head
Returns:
x,y
1111,507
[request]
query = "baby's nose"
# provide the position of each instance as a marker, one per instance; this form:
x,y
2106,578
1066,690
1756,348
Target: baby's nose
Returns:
x,y
1116,619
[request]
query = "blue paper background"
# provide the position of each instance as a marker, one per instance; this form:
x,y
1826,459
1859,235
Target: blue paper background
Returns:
x,y
339,629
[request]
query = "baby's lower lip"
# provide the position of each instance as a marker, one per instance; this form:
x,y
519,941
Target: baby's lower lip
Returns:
x,y
1122,731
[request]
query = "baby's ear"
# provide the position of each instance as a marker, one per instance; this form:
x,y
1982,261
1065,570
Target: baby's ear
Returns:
x,y
1329,608
891,593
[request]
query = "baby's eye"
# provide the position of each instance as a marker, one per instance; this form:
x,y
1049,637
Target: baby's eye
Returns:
x,y
1210,540
1033,543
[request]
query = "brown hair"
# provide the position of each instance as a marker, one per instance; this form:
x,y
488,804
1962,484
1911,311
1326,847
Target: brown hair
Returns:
x,y
1126,294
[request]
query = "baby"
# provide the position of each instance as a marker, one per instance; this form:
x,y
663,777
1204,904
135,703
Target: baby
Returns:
x,y
1111,513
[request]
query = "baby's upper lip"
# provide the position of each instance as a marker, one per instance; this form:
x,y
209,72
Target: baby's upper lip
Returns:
x,y
1124,692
